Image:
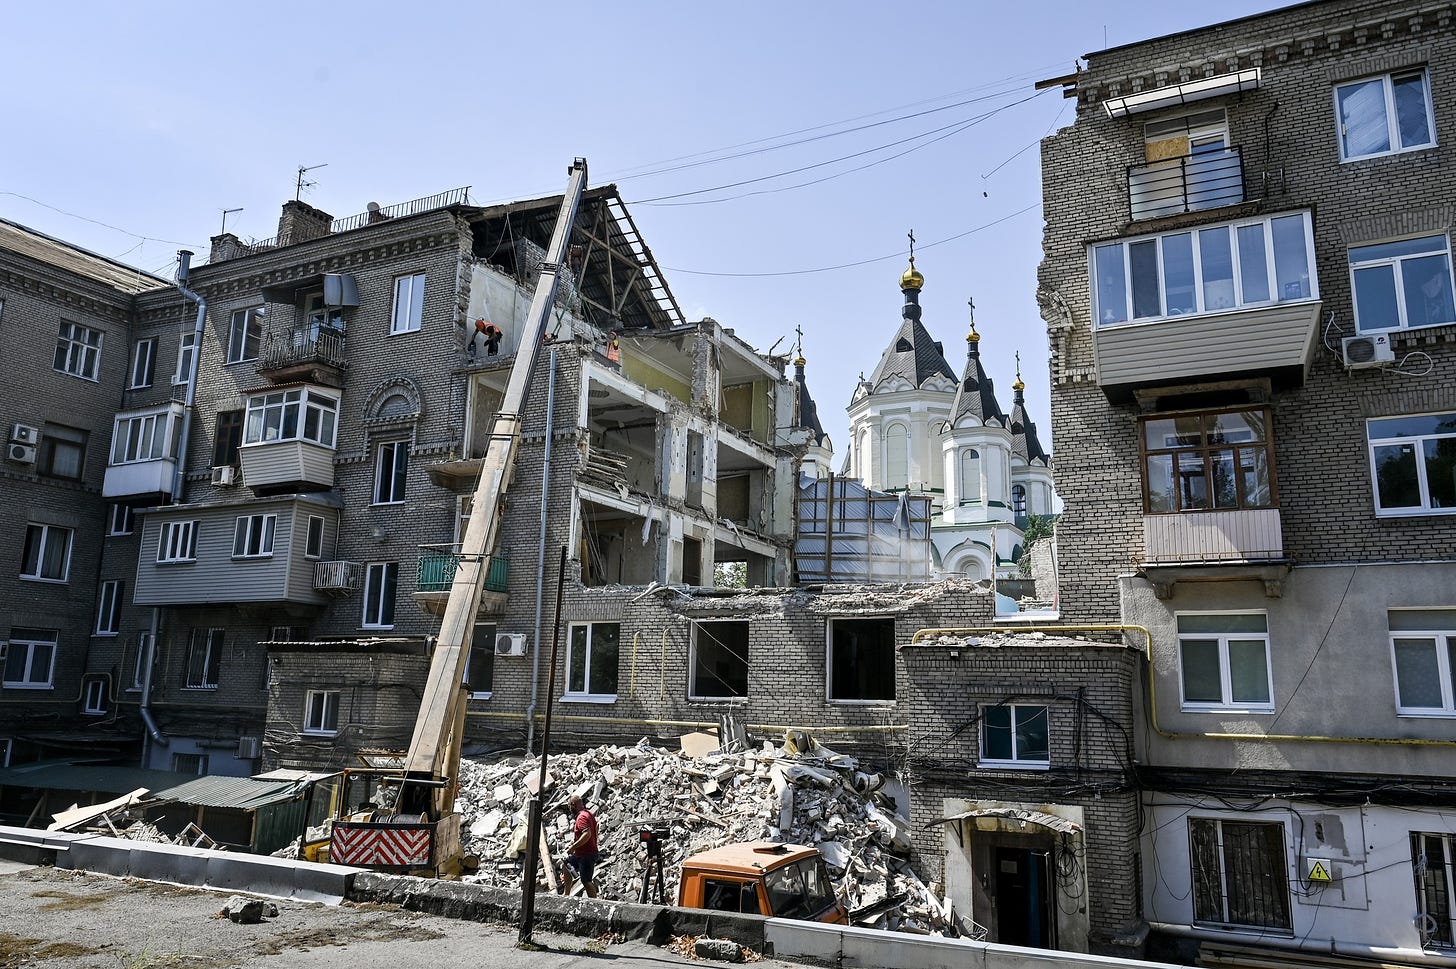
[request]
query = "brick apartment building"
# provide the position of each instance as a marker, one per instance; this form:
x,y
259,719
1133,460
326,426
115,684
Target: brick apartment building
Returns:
x,y
1248,287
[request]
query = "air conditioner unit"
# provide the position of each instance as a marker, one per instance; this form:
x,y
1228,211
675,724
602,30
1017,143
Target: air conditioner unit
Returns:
x,y
510,644
21,453
224,475
1368,351
24,434
248,748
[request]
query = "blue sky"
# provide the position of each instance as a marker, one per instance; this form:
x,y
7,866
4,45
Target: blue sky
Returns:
x,y
153,117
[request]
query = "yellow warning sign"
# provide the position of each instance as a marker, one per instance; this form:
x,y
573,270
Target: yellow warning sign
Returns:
x,y
1318,870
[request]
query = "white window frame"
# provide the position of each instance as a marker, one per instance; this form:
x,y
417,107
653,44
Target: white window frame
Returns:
x,y
139,669
1417,442
213,641
48,534
1397,264
108,608
76,352
1200,308
253,536
186,346
391,472
177,542
139,438
1443,643
122,521
588,697
376,582
1392,123
321,713
313,543
407,314
28,640
694,691
1228,704
93,697
143,368
312,414
829,696
1015,761
245,334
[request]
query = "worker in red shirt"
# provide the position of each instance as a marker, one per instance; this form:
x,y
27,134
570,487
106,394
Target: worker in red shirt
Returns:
x,y
581,857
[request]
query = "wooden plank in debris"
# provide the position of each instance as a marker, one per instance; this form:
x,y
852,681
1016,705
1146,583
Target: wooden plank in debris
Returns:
x,y
550,863
80,815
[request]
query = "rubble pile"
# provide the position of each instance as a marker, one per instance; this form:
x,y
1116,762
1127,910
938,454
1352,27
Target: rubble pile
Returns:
x,y
800,793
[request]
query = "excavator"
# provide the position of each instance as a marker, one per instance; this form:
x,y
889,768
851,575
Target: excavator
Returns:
x,y
420,832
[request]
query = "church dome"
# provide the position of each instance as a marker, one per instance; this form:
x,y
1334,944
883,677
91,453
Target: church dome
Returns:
x,y
911,278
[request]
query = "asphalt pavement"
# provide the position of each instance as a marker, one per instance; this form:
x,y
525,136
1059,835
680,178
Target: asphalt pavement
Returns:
x,y
58,919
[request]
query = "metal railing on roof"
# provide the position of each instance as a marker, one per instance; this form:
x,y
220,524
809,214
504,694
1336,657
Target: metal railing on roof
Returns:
x,y
440,200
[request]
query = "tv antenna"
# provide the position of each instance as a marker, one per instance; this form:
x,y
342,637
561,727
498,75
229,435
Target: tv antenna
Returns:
x,y
225,214
304,183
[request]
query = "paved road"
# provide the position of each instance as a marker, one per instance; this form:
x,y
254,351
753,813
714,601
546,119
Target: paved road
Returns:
x,y
56,919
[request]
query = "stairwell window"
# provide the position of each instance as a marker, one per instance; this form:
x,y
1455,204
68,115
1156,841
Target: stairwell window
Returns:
x,y
1015,735
204,658
1223,662
1403,284
245,331
123,520
321,713
109,603
177,542
1385,115
381,581
143,363
78,351
1413,464
46,556
1240,873
591,662
409,303
391,471
30,659
719,661
93,698
186,346
1423,650
253,536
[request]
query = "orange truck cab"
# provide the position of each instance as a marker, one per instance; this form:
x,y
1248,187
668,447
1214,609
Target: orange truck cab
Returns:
x,y
761,878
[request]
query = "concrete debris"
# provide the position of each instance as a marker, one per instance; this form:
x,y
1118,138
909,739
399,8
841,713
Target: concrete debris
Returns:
x,y
815,797
247,911
723,950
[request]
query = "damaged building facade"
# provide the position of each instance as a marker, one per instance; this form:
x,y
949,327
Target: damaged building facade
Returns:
x,y
1248,287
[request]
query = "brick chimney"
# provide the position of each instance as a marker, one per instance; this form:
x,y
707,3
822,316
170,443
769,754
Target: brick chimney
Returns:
x,y
301,222
226,246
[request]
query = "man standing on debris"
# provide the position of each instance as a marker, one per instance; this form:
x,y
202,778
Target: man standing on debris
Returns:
x,y
581,857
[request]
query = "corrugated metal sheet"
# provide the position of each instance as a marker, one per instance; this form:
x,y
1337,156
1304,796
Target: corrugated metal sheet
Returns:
x,y
244,793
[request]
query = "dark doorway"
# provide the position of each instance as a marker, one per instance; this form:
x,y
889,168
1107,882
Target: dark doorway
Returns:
x,y
1023,897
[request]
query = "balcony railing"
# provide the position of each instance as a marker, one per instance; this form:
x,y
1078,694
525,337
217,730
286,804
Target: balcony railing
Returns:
x,y
437,572
336,577
1214,537
305,344
1187,183
440,200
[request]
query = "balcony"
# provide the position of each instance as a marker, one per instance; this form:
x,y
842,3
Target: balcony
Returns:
x,y
1186,183
274,465
336,578
305,352
143,454
1214,546
436,574
142,479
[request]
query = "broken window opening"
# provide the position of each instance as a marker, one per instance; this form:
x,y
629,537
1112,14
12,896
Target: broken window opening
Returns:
x,y
720,661
862,660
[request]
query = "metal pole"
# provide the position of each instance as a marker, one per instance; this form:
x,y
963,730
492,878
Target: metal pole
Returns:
x,y
533,810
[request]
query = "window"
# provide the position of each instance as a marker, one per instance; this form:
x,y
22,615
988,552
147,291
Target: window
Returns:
x,y
1224,662
63,452
591,660
1423,647
143,363
313,546
226,438
1015,735
320,315
1219,267
186,346
861,660
177,542
970,476
726,895
204,656
29,659
245,330
93,697
1189,166
480,664
253,536
47,553
108,612
1413,464
409,303
1433,861
321,712
122,520
142,437
390,472
380,581
719,662
1240,874
189,764
1215,461
275,417
78,351
1018,500
1402,284
1384,115
139,671
897,456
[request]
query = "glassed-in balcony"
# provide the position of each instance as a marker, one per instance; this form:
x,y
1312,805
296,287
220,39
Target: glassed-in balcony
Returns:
x,y
143,456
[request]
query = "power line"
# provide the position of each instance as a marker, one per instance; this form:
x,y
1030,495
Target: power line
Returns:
x,y
106,225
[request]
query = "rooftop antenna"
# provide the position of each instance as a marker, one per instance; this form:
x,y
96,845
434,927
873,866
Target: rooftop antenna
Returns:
x,y
304,183
225,214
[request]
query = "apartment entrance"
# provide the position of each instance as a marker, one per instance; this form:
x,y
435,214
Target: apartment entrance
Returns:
x,y
1021,895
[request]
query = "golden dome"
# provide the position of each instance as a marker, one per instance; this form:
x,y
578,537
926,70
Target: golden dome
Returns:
x,y
911,278
799,361
1018,386
973,336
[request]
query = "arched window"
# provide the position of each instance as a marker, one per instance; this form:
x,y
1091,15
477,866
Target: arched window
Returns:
x,y
970,476
897,456
862,456
1018,499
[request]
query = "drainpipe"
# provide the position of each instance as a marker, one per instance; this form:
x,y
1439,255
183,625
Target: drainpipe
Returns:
x,y
541,555
184,269
158,738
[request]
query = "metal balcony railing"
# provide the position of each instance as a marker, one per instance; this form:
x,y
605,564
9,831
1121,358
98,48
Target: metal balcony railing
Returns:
x,y
339,577
440,200
1187,183
303,343
437,572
